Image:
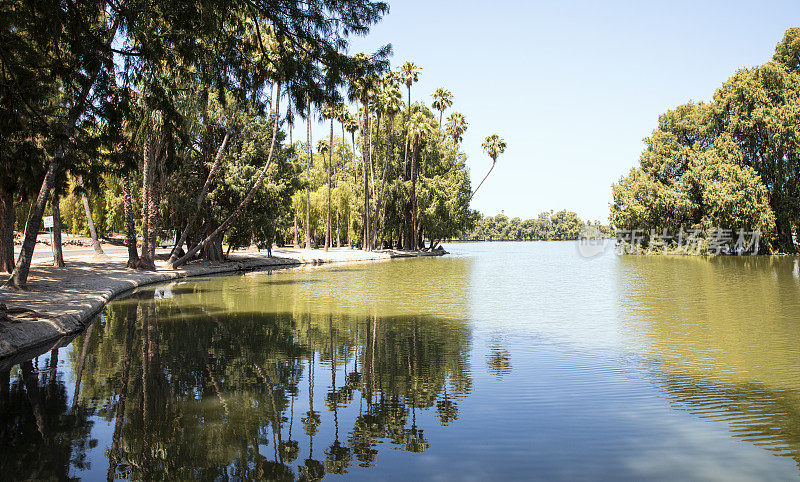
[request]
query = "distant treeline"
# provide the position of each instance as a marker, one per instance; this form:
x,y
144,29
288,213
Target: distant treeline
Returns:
x,y
549,225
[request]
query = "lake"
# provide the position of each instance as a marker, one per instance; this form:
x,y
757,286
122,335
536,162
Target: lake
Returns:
x,y
499,361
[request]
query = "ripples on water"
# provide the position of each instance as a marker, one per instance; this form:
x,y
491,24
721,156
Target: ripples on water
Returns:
x,y
505,360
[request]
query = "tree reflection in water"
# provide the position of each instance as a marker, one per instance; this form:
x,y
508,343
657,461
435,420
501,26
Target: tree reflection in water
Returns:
x,y
194,392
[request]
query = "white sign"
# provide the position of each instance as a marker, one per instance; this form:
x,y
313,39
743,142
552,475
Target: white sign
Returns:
x,y
48,221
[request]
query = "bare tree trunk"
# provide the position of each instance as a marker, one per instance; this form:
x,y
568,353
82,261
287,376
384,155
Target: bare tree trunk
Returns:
x,y
130,227
58,254
365,162
294,240
155,215
19,277
414,162
98,249
328,214
308,173
247,198
6,231
147,174
481,183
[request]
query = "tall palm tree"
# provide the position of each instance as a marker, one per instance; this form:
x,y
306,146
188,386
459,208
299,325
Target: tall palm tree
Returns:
x,y
308,171
419,127
363,88
390,103
442,100
408,74
494,145
329,112
455,126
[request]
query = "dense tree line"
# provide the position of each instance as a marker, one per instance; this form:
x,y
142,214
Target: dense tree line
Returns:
x,y
547,226
152,117
729,164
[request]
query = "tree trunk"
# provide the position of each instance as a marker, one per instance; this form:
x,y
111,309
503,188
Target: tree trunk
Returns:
x,y
247,198
364,161
98,249
19,277
130,227
414,162
201,196
6,231
481,183
308,173
147,174
386,163
58,254
294,240
155,215
328,213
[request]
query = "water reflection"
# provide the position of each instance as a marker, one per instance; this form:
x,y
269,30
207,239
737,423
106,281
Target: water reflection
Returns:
x,y
191,391
721,336
41,435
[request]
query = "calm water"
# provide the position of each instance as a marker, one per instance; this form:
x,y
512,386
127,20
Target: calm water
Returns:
x,y
503,360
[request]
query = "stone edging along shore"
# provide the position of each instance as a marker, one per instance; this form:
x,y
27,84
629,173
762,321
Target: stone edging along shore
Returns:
x,y
66,299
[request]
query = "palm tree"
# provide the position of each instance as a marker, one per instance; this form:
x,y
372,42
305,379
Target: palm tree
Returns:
x,y
362,88
390,102
442,99
408,74
419,126
456,126
308,171
494,145
329,112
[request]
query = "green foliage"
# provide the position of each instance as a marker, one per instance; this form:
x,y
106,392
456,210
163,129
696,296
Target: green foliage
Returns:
x,y
730,164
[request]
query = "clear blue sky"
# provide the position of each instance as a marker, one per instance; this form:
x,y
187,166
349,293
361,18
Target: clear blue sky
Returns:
x,y
573,87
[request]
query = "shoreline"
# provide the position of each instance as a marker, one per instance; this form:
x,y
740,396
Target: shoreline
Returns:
x,y
65,300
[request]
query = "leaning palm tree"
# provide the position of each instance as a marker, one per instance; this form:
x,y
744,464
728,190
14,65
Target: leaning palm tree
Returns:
x,y
494,145
442,100
455,127
419,127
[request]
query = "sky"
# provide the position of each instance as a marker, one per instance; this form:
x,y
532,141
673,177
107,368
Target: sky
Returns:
x,y
573,87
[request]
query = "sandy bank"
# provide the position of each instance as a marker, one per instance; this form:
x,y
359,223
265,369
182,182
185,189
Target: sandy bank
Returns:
x,y
66,299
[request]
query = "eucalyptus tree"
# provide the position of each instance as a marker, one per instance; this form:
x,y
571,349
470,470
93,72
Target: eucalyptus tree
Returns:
x,y
442,100
493,146
455,127
419,127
